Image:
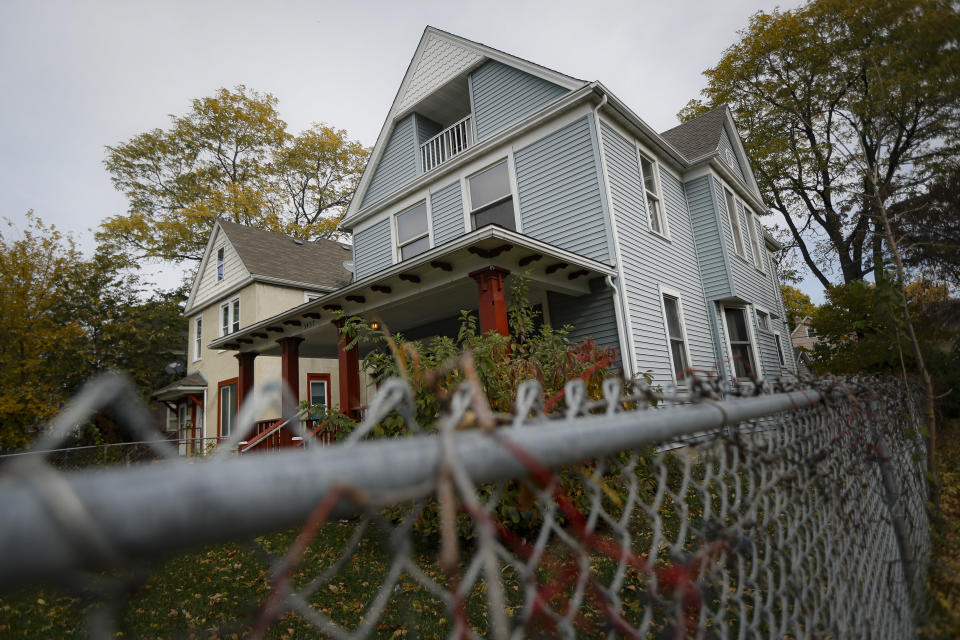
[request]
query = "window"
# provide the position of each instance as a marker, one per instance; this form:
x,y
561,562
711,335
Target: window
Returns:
x,y
728,156
228,407
491,201
734,222
763,319
648,171
412,237
678,346
754,240
776,337
220,264
741,348
198,338
811,332
230,317
318,388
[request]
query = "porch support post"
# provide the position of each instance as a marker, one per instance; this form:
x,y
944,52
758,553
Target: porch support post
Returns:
x,y
290,374
349,370
244,375
492,299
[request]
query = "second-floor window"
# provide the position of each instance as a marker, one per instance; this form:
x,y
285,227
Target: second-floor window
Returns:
x,y
220,264
197,338
412,235
648,169
491,200
230,317
734,223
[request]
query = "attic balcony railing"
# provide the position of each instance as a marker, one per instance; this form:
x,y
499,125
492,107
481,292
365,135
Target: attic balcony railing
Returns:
x,y
453,140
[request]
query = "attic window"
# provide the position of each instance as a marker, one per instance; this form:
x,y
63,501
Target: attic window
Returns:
x,y
220,264
728,155
648,170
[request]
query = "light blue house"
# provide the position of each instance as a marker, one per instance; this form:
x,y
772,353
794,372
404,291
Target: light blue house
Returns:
x,y
489,166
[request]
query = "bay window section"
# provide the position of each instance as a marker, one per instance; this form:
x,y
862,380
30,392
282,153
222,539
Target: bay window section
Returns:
x,y
491,200
648,170
741,347
412,235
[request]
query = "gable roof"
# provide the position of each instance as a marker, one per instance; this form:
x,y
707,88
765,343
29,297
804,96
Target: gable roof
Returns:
x,y
279,259
275,256
700,136
440,57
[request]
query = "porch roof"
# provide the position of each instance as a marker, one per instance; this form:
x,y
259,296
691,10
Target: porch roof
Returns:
x,y
193,383
430,288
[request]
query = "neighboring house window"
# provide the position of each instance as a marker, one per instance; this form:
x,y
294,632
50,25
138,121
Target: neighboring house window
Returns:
x,y
230,317
763,319
198,338
412,236
734,223
491,201
811,332
675,333
648,169
776,337
228,407
740,346
318,386
220,264
754,240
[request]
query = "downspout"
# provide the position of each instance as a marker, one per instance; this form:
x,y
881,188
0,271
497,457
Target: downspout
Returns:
x,y
627,352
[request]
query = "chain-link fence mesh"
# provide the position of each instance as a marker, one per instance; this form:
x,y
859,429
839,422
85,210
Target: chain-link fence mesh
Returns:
x,y
796,513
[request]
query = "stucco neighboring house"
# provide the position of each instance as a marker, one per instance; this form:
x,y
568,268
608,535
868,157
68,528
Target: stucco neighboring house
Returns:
x,y
488,166
803,337
245,276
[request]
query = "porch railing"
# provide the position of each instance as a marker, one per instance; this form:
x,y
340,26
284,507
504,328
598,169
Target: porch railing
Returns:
x,y
450,142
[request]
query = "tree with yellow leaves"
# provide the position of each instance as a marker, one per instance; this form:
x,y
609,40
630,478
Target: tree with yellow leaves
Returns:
x,y
232,157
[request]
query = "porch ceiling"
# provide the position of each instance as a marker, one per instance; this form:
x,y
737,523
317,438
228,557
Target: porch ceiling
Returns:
x,y
430,288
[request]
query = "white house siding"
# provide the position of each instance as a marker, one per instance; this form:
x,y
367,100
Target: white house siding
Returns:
x,y
560,195
372,249
209,288
398,164
446,206
648,261
501,95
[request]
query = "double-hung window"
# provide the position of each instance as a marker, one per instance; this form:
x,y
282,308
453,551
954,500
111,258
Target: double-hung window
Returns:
x,y
228,407
220,264
783,361
648,170
763,319
741,347
491,200
754,239
413,237
676,336
198,338
230,317
734,223
319,389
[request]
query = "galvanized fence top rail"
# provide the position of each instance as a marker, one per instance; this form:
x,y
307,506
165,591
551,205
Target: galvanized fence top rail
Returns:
x,y
796,513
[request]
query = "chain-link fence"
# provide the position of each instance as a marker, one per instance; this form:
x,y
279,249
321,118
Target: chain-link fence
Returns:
x,y
798,512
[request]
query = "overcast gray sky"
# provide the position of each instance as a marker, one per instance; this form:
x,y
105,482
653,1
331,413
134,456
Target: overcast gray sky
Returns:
x,y
77,76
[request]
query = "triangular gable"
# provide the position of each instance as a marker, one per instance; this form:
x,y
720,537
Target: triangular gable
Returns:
x,y
441,56
733,137
201,292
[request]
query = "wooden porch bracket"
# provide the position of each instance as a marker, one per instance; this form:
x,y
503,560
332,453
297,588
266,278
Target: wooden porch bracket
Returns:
x,y
525,260
293,323
576,274
356,298
490,253
556,266
312,315
409,277
440,264
380,288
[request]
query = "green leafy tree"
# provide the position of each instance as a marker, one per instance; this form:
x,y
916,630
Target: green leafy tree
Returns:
x,y
844,107
797,304
64,319
230,156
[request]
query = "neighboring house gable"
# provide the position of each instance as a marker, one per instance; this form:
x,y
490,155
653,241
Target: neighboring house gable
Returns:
x,y
215,278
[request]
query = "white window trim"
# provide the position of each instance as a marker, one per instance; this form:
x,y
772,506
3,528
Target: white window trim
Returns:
x,y
755,250
781,354
198,338
658,196
757,311
512,179
326,391
232,319
733,219
395,232
221,265
673,293
750,331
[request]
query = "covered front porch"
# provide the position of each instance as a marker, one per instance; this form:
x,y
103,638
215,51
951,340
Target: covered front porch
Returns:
x,y
420,297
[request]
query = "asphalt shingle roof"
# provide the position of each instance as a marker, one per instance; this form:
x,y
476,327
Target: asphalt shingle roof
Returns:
x,y
274,255
700,136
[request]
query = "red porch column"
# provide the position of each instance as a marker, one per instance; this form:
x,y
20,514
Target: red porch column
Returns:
x,y
349,370
245,375
493,300
290,373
